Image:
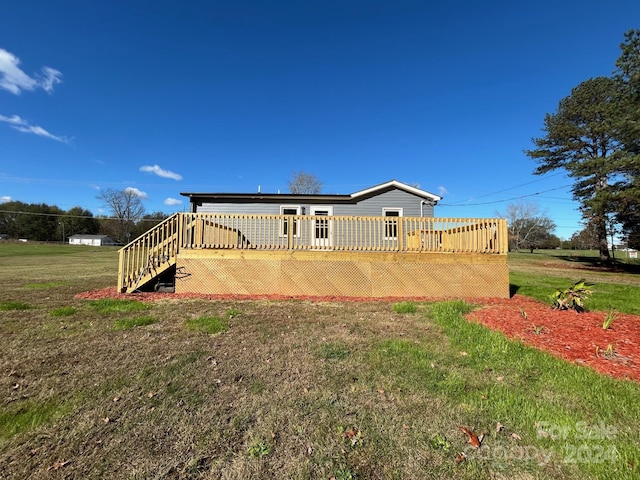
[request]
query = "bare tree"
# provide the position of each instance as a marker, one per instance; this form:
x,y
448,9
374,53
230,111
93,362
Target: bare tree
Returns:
x,y
304,183
528,228
126,208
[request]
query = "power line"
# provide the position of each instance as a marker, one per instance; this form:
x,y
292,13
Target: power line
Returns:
x,y
510,188
42,214
502,201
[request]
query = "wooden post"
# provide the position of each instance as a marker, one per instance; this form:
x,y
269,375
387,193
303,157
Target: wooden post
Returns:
x,y
289,221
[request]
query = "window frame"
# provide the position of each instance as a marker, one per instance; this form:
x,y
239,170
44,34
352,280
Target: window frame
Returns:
x,y
391,227
284,224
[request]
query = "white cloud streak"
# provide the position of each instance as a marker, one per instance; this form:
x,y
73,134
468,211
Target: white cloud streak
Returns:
x,y
15,80
172,201
24,126
156,170
136,192
442,191
5,199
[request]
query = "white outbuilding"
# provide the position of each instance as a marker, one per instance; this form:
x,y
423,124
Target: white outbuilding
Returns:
x,y
91,240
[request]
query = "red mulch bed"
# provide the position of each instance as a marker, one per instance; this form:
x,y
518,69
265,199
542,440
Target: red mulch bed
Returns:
x,y
576,337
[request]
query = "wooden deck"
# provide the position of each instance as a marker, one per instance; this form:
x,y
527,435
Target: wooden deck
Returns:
x,y
320,256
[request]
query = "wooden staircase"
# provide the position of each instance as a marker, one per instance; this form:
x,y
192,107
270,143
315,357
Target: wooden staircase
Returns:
x,y
150,255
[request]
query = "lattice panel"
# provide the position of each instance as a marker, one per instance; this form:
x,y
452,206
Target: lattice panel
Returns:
x,y
354,277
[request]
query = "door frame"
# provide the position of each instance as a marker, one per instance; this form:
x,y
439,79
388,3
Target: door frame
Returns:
x,y
322,241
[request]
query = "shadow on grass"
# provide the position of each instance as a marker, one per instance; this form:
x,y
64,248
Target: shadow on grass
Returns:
x,y
594,263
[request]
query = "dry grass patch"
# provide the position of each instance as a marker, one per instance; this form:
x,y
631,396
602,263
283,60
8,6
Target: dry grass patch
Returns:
x,y
292,389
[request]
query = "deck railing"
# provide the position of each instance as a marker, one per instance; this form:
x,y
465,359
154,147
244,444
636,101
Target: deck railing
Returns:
x,y
158,248
336,233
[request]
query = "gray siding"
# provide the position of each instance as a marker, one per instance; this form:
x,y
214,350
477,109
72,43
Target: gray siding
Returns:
x,y
372,206
241,208
367,207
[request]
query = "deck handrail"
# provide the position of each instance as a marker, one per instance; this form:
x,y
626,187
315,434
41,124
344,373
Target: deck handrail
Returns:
x,y
159,247
344,233
149,252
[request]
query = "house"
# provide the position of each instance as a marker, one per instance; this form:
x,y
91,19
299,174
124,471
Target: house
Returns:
x,y
91,240
391,199
383,241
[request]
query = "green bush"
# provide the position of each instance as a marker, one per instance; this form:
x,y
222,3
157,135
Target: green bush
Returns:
x,y
571,298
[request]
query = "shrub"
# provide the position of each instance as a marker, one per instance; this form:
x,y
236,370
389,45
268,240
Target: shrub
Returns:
x,y
571,298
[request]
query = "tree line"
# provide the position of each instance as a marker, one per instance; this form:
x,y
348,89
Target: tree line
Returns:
x,y
49,223
594,136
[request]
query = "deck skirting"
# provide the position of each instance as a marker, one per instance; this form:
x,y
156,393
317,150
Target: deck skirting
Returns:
x,y
348,274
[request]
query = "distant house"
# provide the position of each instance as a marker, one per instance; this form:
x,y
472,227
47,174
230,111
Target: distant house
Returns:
x,y
91,240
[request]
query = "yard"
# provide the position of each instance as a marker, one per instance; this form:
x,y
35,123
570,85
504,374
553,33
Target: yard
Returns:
x,y
242,388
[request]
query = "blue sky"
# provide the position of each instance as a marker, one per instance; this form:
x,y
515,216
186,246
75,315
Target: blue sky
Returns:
x,y
212,96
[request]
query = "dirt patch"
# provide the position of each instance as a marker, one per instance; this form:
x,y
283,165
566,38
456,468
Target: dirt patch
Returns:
x,y
576,337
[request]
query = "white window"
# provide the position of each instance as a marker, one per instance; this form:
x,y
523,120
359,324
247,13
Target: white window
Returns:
x,y
391,225
286,223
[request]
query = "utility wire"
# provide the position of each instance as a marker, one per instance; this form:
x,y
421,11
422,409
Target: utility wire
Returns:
x,y
501,201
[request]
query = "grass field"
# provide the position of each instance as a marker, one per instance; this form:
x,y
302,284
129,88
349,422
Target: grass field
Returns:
x,y
294,389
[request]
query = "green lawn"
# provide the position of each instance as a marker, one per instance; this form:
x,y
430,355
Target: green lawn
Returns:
x,y
291,389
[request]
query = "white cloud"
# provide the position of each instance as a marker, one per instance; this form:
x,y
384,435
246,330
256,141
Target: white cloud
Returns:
x,y
442,191
15,80
22,125
136,192
5,199
156,170
172,201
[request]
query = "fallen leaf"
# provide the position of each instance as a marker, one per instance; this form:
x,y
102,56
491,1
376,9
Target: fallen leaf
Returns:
x,y
499,427
352,432
150,394
106,419
516,436
463,354
57,465
473,439
461,458
406,427
309,450
116,399
499,379
380,391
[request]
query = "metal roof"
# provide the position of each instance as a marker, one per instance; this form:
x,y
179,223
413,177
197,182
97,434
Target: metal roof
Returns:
x,y
323,197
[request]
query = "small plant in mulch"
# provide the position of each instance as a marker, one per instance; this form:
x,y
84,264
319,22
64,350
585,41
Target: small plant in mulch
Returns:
x,y
608,319
608,352
571,298
537,330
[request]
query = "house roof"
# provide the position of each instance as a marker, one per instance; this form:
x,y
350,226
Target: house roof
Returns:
x,y
87,236
314,198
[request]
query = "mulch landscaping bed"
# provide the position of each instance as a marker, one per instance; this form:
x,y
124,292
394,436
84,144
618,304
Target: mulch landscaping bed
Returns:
x,y
576,337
